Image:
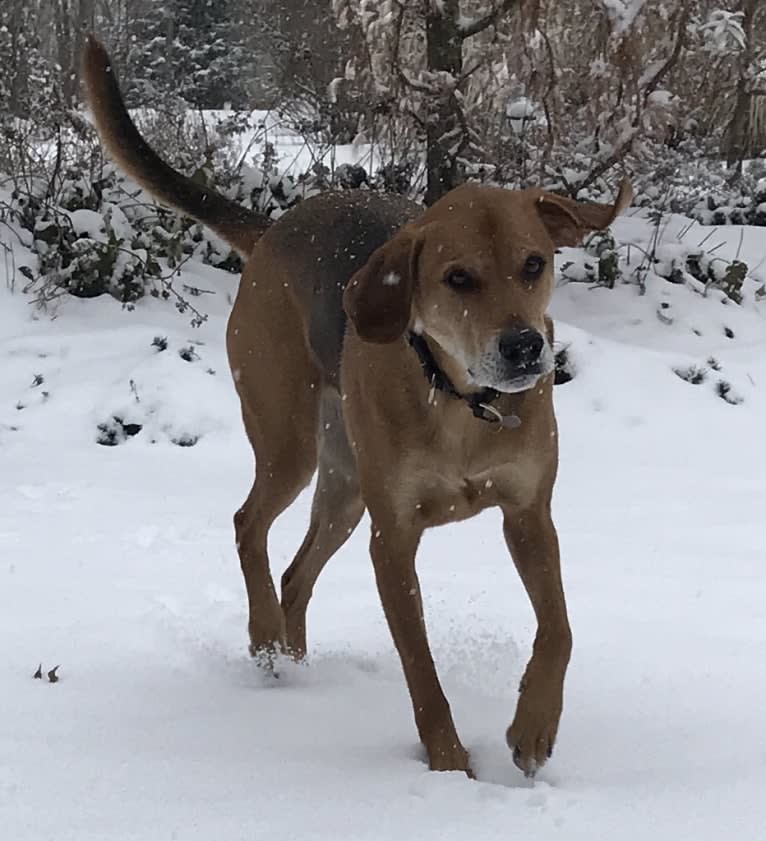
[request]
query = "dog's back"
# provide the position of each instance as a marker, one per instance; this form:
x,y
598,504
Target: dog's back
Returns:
x,y
322,242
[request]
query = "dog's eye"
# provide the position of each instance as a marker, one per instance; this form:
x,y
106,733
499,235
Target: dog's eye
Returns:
x,y
533,267
460,280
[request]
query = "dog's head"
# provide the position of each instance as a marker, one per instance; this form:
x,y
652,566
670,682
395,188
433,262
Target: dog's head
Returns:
x,y
474,274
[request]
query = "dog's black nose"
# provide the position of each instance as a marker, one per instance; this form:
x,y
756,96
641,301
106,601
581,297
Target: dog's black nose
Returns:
x,y
522,348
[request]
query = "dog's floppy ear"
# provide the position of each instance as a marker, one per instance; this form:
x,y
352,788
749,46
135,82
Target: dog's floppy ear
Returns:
x,y
568,221
378,298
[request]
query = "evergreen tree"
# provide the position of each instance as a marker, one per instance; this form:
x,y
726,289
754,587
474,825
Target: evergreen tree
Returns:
x,y
192,49
28,81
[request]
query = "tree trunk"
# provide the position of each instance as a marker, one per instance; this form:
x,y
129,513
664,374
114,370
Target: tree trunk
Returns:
x,y
83,21
17,69
444,54
738,134
72,21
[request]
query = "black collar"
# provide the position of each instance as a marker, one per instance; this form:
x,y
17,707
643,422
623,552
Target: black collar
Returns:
x,y
479,402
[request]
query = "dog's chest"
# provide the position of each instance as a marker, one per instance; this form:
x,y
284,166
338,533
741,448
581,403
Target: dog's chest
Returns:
x,y
447,498
445,489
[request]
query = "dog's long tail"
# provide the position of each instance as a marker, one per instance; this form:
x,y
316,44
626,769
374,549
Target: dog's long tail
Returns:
x,y
239,226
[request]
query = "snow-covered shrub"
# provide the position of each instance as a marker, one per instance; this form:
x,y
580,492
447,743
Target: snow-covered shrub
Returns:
x,y
91,233
95,232
598,263
605,262
700,269
564,370
743,203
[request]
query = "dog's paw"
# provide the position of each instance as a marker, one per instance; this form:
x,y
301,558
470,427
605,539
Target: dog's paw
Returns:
x,y
267,638
267,655
532,735
529,753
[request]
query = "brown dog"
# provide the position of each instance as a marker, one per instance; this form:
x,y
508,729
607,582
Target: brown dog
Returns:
x,y
434,404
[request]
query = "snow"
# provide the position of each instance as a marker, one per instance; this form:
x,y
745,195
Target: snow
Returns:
x,y
520,109
118,563
88,223
659,99
724,30
296,154
391,279
623,13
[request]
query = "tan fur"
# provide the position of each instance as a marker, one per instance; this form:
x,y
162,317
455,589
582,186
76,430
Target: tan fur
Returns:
x,y
363,415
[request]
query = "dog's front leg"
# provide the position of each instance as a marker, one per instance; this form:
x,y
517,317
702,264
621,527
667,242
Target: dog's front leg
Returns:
x,y
393,547
531,538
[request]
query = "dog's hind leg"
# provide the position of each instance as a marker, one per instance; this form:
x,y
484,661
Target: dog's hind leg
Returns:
x,y
279,386
335,512
285,463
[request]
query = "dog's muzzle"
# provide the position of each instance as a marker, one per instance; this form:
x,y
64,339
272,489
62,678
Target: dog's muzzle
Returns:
x,y
515,361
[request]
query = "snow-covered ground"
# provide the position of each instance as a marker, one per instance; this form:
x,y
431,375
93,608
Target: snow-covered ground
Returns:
x,y
297,154
118,563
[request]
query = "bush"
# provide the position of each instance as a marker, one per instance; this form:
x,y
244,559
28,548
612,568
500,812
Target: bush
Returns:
x,y
94,231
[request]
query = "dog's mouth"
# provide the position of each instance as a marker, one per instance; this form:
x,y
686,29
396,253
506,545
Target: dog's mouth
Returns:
x,y
523,382
494,372
509,385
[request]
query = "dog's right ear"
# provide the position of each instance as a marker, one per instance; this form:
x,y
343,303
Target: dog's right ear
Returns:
x,y
378,298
